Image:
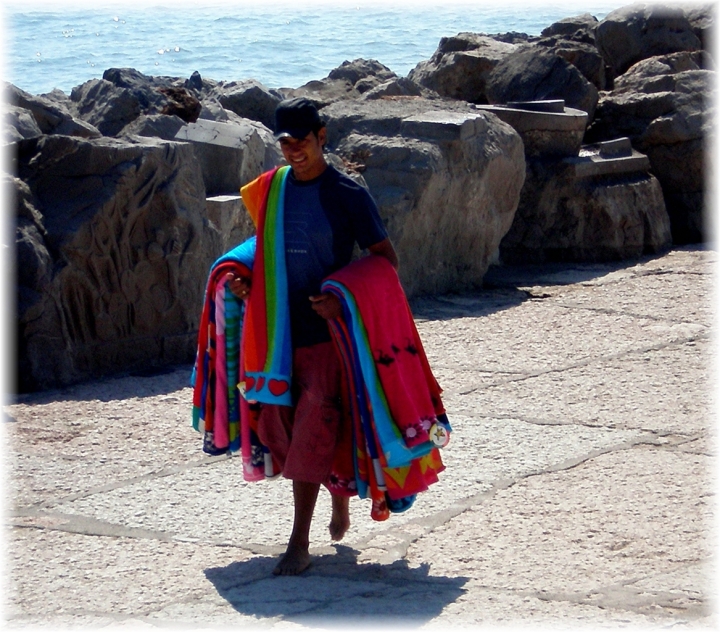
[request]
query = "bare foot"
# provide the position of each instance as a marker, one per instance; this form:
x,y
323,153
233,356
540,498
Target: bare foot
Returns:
x,y
340,521
294,562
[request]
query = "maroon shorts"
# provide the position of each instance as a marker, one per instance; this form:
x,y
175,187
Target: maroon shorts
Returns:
x,y
302,438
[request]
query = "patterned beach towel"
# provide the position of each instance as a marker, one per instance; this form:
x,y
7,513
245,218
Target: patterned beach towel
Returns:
x,y
398,418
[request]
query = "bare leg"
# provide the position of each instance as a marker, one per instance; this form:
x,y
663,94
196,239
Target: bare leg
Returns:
x,y
340,521
297,555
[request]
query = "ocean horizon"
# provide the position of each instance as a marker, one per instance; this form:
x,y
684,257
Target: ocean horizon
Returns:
x,y
51,45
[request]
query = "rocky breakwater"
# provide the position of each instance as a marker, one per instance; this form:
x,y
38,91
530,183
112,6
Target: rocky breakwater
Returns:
x,y
126,189
118,222
644,72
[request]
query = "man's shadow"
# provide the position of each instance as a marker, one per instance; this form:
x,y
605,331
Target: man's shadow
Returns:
x,y
336,590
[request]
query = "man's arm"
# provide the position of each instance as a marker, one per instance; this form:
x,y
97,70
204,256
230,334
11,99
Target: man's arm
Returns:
x,y
328,305
385,249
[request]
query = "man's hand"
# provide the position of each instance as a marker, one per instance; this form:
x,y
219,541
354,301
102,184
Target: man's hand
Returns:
x,y
239,286
327,305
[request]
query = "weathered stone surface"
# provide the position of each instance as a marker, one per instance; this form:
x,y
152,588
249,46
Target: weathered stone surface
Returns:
x,y
213,111
460,67
399,87
51,117
582,53
33,265
702,18
563,217
350,80
230,154
18,123
585,23
664,105
104,105
363,74
638,31
123,94
154,125
446,182
121,268
547,128
228,215
249,99
533,73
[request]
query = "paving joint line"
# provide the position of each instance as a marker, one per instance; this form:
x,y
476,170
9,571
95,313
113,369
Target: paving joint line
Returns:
x,y
427,523
594,360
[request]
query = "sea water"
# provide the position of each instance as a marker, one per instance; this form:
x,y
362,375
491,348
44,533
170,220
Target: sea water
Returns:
x,y
280,45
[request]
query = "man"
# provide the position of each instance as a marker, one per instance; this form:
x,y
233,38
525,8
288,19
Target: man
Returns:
x,y
326,213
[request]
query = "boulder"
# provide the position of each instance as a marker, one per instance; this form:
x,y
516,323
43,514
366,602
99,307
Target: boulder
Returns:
x,y
664,105
599,205
114,261
154,125
446,178
18,123
213,111
362,74
639,31
248,99
51,117
533,73
124,94
105,106
398,87
460,67
230,154
582,53
584,24
702,18
562,218
350,80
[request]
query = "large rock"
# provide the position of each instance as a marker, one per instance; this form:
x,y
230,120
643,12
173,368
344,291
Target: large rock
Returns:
x,y
702,19
446,178
398,87
51,117
582,53
114,248
563,217
230,154
18,123
124,94
460,66
249,99
664,104
639,31
105,106
583,24
362,74
155,126
534,73
350,80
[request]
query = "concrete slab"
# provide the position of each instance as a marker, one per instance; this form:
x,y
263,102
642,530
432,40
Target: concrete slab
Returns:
x,y
585,535
665,390
578,492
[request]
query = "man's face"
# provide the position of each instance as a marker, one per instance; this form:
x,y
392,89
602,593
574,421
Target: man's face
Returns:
x,y
305,155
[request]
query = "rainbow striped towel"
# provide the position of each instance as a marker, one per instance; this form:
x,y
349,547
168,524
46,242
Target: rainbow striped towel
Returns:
x,y
266,344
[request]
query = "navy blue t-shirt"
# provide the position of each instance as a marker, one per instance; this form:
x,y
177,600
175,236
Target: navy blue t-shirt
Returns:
x,y
324,217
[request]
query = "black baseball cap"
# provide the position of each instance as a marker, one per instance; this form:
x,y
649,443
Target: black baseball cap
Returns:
x,y
296,118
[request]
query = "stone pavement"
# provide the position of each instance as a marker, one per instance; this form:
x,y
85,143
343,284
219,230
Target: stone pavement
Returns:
x,y
579,490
